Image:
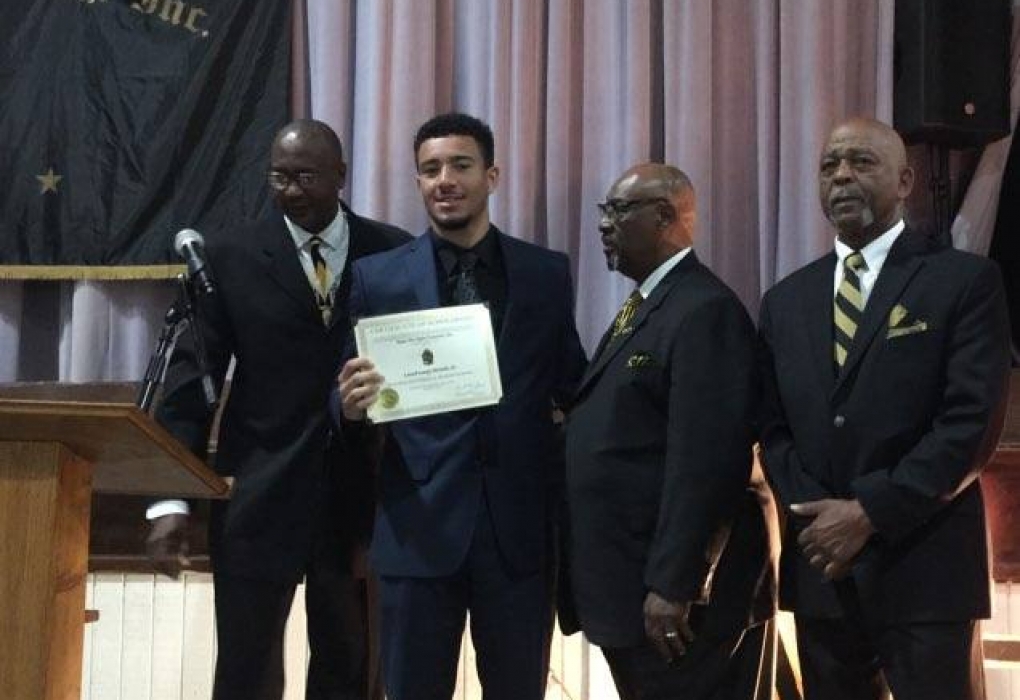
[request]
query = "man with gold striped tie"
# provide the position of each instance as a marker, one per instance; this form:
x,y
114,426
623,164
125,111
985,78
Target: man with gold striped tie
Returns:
x,y
669,566
884,366
302,501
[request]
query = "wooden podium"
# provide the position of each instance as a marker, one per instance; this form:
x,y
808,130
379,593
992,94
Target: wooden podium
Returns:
x,y
58,444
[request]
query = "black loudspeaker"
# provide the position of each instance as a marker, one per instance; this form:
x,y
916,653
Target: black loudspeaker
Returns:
x,y
952,71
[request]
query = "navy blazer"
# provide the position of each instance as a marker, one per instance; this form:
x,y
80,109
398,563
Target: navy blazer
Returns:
x,y
436,470
905,427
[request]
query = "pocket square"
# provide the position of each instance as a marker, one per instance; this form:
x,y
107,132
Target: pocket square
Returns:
x,y
639,359
897,315
899,326
915,327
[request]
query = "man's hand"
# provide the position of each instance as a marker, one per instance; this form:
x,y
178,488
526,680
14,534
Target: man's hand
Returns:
x,y
837,533
359,387
666,626
167,544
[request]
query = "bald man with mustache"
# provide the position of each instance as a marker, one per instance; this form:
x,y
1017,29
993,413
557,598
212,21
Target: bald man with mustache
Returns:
x,y
668,543
884,367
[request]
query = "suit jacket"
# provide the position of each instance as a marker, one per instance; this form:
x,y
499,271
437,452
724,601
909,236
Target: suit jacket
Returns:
x,y
659,463
905,427
295,481
437,470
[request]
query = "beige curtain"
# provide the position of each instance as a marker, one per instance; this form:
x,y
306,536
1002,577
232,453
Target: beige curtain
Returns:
x,y
739,94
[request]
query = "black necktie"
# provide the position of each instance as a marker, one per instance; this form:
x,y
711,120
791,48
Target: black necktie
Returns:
x,y
465,288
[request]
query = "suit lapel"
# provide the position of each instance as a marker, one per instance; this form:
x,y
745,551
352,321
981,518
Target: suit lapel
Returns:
x,y
899,268
817,309
420,264
284,268
603,342
357,247
516,273
611,347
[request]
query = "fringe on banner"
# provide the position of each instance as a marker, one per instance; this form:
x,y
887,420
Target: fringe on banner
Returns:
x,y
90,272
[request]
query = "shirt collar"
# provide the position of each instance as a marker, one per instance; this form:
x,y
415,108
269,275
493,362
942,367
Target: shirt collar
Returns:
x,y
875,252
332,236
487,250
652,281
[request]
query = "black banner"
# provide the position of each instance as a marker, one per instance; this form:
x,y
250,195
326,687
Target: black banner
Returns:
x,y
123,121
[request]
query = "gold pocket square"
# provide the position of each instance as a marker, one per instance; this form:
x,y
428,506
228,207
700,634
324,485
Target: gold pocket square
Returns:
x,y
915,327
897,315
898,326
640,359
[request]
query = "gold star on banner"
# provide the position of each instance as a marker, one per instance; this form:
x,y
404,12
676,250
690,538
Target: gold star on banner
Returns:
x,y
48,181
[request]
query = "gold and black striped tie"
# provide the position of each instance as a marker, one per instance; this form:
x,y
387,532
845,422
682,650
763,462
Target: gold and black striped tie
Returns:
x,y
626,313
848,307
322,279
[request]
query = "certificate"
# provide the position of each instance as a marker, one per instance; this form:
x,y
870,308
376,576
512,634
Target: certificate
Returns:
x,y
432,361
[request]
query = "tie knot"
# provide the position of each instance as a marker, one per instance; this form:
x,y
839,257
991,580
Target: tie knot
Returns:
x,y
634,300
621,323
855,261
467,260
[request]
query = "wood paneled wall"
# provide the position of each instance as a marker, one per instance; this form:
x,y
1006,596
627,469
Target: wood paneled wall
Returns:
x,y
155,641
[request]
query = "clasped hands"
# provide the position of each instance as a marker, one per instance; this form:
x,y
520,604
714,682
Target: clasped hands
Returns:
x,y
838,531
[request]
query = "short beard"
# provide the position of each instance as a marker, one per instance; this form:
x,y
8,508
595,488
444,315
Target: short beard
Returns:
x,y
860,234
452,225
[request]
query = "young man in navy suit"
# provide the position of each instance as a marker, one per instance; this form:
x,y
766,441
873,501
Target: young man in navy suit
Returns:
x,y
466,498
885,365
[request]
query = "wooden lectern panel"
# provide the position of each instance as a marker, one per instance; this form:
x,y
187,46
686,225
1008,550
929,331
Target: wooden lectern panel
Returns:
x,y
130,452
44,518
57,443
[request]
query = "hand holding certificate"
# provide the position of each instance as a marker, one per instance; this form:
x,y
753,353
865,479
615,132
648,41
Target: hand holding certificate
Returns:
x,y
432,361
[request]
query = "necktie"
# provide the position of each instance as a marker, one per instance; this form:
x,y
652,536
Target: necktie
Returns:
x,y
322,280
626,313
465,288
848,306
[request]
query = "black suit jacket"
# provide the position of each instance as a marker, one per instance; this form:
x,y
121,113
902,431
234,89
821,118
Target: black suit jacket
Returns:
x,y
296,481
905,427
658,467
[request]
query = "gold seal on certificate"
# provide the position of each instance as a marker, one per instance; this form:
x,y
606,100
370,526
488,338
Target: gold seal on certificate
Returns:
x,y
433,361
389,398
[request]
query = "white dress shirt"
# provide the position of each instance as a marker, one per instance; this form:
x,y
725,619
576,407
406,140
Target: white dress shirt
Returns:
x,y
336,243
874,253
652,281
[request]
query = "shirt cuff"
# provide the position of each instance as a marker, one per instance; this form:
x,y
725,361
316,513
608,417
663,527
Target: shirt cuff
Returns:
x,y
171,507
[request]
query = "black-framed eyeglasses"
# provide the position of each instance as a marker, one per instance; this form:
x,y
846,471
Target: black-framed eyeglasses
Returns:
x,y
280,180
615,208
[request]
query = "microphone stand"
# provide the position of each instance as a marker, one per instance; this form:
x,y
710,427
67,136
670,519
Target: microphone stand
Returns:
x,y
182,310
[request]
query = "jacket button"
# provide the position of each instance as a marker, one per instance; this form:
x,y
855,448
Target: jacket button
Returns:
x,y
838,421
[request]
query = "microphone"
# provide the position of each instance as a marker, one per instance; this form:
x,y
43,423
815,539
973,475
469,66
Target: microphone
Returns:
x,y
190,245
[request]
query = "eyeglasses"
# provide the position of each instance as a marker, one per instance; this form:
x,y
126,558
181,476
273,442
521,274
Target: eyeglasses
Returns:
x,y
615,208
280,181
